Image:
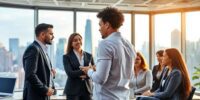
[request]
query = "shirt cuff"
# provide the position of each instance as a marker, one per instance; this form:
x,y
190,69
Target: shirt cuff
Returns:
x,y
90,72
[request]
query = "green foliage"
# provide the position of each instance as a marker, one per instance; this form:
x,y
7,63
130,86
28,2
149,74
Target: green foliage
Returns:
x,y
196,76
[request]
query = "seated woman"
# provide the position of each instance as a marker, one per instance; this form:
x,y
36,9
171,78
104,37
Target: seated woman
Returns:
x,y
142,78
157,71
176,86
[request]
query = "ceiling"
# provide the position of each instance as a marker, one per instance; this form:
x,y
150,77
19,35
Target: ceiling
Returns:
x,y
133,5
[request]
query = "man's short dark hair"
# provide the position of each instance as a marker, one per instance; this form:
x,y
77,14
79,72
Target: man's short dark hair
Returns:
x,y
113,16
42,27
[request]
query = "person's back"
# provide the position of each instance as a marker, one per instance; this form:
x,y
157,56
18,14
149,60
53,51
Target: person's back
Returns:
x,y
122,55
115,58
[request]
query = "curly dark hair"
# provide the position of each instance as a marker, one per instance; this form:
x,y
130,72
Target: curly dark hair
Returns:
x,y
113,16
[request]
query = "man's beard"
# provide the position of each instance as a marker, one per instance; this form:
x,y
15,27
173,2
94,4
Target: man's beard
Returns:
x,y
103,37
48,42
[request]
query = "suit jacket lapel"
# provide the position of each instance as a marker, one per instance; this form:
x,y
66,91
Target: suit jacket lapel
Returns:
x,y
74,59
43,55
86,59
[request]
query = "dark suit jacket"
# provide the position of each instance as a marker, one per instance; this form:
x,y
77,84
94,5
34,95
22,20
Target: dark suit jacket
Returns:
x,y
74,84
171,88
156,81
37,73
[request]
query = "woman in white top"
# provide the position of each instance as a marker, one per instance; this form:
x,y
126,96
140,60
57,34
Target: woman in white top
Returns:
x,y
142,78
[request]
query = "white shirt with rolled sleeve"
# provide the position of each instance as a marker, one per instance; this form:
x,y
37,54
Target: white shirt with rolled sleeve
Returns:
x,y
114,68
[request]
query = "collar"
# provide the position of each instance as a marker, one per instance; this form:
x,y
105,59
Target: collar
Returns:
x,y
113,34
44,47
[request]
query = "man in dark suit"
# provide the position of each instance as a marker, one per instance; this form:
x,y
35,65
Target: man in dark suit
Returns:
x,y
39,75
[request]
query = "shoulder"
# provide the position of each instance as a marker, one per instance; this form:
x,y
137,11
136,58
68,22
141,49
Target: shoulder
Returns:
x,y
87,54
176,71
155,67
105,43
33,47
148,71
67,54
106,46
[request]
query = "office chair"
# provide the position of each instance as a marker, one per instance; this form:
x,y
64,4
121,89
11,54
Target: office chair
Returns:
x,y
191,93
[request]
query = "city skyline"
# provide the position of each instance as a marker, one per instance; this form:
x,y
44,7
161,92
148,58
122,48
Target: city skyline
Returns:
x,y
14,24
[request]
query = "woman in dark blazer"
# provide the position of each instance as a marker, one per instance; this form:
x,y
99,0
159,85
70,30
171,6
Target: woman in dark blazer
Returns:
x,y
176,85
157,71
78,86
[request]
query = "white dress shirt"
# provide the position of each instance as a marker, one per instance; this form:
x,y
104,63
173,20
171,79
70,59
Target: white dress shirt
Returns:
x,y
142,82
115,59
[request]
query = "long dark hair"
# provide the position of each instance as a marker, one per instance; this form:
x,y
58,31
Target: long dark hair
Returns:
x,y
160,53
179,63
70,40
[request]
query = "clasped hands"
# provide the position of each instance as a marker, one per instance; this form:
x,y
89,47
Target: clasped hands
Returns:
x,y
148,93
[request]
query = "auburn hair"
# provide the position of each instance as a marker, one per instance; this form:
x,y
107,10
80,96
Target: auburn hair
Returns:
x,y
179,63
143,64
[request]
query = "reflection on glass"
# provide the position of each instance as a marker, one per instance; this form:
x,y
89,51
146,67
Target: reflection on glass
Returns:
x,y
192,42
142,34
63,27
167,31
17,32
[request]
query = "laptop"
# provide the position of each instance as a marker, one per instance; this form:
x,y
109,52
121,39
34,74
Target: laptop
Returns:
x,y
7,85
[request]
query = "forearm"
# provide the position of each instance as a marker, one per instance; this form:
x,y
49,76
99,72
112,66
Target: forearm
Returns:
x,y
101,74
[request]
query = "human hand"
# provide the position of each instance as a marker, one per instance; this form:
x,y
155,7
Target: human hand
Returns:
x,y
83,77
50,91
53,72
85,69
93,67
147,93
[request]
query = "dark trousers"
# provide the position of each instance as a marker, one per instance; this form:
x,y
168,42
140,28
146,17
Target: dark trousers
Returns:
x,y
147,98
81,97
84,95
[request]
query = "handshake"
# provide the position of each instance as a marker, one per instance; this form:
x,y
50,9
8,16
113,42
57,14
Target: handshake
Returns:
x,y
85,70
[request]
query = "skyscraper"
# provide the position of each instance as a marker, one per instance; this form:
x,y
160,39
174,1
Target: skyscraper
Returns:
x,y
51,53
60,52
176,39
5,60
14,49
88,37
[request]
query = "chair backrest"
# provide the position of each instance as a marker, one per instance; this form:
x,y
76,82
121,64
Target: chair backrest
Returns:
x,y
191,93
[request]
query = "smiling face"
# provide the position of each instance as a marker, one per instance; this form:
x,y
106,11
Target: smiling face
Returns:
x,y
138,61
77,42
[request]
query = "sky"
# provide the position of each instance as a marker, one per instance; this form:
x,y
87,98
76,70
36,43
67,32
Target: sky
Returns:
x,y
19,23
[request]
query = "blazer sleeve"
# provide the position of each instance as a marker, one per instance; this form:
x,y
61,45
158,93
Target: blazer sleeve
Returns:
x,y
154,71
92,60
30,60
173,84
148,83
68,68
